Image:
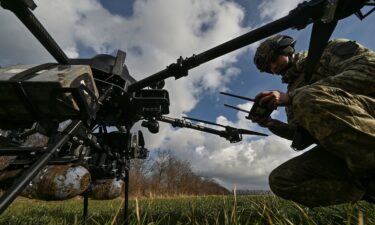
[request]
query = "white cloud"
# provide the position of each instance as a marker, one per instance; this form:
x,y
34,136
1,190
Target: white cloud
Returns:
x,y
275,9
246,164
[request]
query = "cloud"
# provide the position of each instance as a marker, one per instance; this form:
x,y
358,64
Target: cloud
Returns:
x,y
275,9
246,164
16,45
60,18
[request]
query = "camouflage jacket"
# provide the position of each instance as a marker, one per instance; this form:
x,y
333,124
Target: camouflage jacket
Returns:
x,y
344,64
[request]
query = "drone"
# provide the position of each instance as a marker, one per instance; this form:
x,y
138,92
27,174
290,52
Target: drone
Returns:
x,y
73,102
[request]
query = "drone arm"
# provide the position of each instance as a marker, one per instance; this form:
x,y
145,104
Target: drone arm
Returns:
x,y
184,123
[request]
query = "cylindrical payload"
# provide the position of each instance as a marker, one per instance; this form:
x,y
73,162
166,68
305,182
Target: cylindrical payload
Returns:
x,y
106,189
58,182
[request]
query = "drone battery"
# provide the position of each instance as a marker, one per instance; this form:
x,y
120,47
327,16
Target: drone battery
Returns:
x,y
48,92
151,102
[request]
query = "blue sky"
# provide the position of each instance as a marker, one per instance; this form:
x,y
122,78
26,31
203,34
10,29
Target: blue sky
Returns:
x,y
154,34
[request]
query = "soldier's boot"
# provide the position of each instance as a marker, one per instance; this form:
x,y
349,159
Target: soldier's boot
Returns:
x,y
315,178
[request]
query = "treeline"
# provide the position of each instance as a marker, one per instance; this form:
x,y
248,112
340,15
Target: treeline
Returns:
x,y
165,175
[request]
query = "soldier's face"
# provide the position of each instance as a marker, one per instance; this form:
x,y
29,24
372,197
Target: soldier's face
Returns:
x,y
279,64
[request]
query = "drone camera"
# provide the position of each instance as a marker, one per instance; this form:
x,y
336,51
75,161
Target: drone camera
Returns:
x,y
152,125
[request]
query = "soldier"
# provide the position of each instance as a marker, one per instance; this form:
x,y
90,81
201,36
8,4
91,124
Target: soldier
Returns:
x,y
335,109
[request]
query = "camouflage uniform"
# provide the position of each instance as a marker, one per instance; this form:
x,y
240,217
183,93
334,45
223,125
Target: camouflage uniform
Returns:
x,y
338,109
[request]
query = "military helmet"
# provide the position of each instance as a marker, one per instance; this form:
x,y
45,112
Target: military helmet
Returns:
x,y
268,51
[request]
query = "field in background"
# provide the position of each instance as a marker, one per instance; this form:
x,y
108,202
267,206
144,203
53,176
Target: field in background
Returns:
x,y
189,210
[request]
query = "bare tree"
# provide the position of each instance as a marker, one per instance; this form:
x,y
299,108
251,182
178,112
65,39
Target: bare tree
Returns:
x,y
139,177
166,175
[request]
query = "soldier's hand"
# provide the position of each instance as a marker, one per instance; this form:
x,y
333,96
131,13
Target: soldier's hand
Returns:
x,y
272,99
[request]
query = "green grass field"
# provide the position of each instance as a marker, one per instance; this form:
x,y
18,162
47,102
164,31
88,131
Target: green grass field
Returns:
x,y
188,210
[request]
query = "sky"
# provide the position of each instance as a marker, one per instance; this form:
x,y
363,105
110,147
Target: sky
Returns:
x,y
154,33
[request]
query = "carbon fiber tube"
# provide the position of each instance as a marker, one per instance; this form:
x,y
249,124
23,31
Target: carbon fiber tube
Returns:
x,y
182,123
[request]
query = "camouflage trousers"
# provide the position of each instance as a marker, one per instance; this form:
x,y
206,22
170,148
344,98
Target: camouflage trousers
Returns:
x,y
341,169
343,123
316,178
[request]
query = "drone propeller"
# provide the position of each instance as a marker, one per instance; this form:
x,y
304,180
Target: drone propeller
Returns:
x,y
236,108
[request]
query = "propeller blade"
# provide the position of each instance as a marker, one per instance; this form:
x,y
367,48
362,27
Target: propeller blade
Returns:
x,y
236,108
238,96
250,132
203,121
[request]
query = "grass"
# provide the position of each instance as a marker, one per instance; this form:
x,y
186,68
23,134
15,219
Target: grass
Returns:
x,y
217,210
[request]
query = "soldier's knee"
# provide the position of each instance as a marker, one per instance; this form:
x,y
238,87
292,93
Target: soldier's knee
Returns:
x,y
284,179
275,181
272,180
